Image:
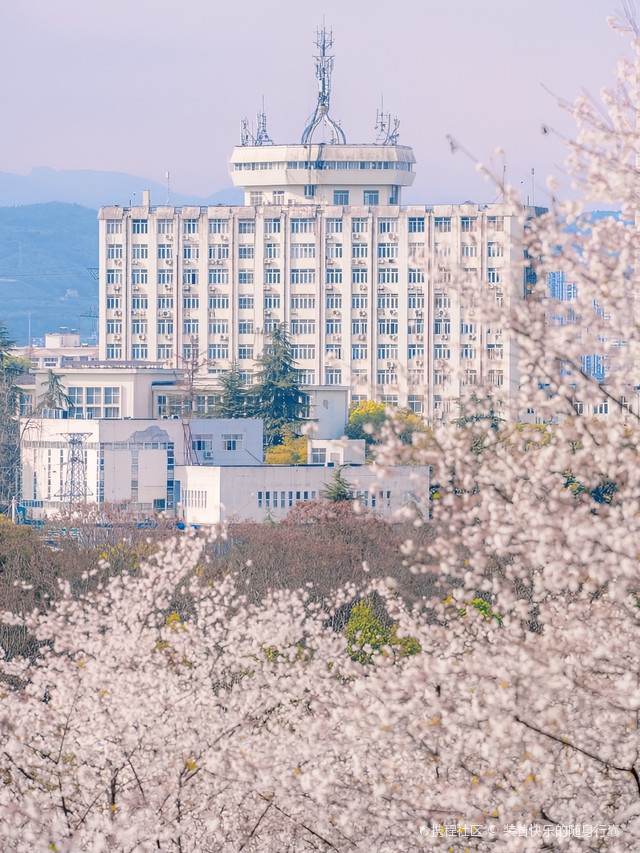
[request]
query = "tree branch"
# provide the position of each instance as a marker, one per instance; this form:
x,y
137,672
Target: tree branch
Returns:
x,y
579,749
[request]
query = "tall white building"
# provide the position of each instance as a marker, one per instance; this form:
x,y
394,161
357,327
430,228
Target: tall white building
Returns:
x,y
369,289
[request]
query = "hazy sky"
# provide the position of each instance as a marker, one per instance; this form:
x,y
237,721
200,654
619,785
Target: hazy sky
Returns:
x,y
146,86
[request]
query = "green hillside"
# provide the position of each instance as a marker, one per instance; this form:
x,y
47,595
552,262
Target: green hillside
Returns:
x,y
45,253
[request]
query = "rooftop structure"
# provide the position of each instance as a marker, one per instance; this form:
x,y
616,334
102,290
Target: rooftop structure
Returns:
x,y
379,298
61,349
322,172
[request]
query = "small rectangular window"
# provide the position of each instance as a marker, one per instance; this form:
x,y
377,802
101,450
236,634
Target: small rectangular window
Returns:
x,y
301,226
234,441
272,226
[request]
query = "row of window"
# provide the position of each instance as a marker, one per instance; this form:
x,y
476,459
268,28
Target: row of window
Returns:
x,y
297,327
370,198
301,301
325,165
297,276
307,351
469,376
359,352
94,402
468,224
221,251
273,499
332,376
284,499
300,225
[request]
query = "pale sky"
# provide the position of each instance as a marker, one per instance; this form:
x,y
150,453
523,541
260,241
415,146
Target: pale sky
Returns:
x,y
146,86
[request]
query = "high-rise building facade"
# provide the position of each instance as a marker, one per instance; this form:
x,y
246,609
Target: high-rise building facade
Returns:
x,y
375,295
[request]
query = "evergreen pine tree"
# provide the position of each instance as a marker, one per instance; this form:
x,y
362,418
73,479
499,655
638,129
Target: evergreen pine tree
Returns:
x,y
234,401
280,402
338,489
54,395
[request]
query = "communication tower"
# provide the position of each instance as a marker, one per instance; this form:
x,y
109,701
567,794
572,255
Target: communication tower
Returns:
x,y
75,485
324,67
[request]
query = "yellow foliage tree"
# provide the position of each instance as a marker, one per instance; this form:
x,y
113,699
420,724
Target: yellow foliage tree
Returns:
x,y
292,451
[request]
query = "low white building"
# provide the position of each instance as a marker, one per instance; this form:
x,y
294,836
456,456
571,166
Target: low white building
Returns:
x,y
96,390
210,495
201,470
130,462
61,349
121,437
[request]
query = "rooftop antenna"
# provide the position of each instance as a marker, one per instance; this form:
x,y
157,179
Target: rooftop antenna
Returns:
x,y
324,67
246,137
262,137
168,179
388,128
503,185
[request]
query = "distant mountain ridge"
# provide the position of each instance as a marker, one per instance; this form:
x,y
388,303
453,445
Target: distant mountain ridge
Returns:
x,y
46,254
94,189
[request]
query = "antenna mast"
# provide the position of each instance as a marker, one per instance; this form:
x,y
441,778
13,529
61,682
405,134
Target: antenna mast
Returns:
x,y
388,128
246,137
324,67
262,137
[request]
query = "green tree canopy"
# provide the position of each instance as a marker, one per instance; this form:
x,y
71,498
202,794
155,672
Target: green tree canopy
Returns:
x,y
234,401
280,402
338,489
